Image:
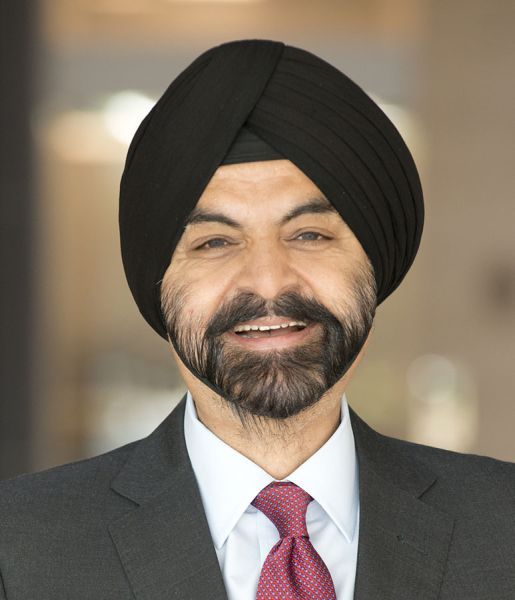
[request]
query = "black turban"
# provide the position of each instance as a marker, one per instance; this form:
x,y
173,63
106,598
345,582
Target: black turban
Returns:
x,y
305,109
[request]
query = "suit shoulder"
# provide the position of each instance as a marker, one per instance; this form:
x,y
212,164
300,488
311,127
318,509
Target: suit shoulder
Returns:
x,y
469,482
63,484
460,483
450,460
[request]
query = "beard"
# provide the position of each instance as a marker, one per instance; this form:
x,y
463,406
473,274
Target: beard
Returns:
x,y
274,383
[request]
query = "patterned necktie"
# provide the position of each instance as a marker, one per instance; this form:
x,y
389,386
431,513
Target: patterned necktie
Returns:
x,y
293,569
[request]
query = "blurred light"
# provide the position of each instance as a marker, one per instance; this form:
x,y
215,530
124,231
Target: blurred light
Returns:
x,y
443,403
100,136
407,124
430,377
123,112
81,136
121,414
128,396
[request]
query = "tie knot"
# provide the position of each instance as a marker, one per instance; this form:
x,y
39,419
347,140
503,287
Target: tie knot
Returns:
x,y
285,504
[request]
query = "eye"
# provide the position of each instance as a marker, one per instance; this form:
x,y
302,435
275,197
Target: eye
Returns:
x,y
311,236
213,244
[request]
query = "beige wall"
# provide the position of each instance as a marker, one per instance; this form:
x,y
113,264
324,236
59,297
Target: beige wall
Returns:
x,y
469,247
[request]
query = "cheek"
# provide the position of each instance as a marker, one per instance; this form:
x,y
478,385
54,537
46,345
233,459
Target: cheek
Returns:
x,y
327,277
329,290
206,289
332,283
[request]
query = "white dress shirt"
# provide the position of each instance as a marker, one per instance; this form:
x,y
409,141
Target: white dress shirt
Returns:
x,y
243,536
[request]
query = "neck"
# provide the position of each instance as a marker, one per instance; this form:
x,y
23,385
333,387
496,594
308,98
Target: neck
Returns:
x,y
278,447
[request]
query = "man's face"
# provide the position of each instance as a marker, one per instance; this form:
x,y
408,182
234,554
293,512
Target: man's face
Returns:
x,y
264,249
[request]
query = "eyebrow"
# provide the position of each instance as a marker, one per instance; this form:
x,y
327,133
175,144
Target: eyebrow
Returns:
x,y
318,205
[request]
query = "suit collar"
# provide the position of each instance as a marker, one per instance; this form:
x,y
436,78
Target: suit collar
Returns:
x,y
390,459
403,541
156,461
164,542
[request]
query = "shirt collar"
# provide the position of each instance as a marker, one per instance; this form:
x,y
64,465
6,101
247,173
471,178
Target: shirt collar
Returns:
x,y
228,481
330,476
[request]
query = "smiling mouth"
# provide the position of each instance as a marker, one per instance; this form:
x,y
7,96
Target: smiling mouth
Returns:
x,y
269,331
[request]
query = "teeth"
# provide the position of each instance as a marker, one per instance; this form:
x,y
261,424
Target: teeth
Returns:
x,y
269,327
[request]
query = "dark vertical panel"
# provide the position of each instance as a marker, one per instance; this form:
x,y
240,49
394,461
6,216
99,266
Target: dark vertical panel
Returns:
x,y
17,33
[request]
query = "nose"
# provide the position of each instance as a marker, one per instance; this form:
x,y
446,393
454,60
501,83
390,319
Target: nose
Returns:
x,y
268,271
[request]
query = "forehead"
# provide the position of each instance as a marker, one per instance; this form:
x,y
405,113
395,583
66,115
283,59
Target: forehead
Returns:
x,y
264,187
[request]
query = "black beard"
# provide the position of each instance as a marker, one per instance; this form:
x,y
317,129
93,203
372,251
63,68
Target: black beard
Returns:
x,y
273,383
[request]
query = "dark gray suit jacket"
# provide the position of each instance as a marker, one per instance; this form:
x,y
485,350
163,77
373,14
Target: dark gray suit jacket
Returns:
x,y
130,525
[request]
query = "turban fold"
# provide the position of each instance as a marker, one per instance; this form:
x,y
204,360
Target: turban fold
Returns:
x,y
249,147
305,109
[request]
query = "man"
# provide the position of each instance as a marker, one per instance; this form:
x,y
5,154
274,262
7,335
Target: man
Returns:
x,y
267,206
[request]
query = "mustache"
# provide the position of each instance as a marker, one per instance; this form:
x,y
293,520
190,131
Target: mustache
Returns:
x,y
247,306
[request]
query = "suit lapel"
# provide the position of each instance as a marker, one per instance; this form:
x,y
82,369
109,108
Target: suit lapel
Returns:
x,y
403,542
164,542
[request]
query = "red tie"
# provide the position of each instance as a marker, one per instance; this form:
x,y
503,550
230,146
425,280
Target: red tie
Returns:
x,y
293,569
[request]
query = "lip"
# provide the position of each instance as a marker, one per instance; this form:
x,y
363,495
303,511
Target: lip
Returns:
x,y
284,340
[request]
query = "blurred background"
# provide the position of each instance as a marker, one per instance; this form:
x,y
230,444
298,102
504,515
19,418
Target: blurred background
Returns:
x,y
81,371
